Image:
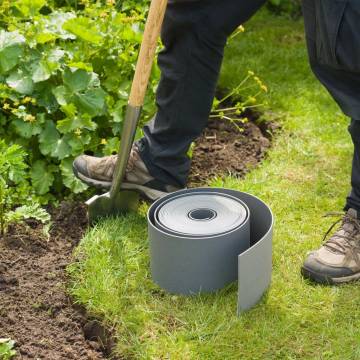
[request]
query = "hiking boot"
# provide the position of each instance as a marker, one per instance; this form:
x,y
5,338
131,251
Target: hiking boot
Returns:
x,y
338,260
98,172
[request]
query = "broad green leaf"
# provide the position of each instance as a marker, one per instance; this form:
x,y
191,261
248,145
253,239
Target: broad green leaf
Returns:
x,y
139,134
131,34
77,80
12,162
41,118
41,177
56,55
10,50
33,211
43,38
83,28
62,149
118,111
112,145
80,65
42,72
69,110
54,24
78,122
30,7
62,95
91,102
21,82
49,138
69,179
27,129
43,92
7,351
3,119
77,142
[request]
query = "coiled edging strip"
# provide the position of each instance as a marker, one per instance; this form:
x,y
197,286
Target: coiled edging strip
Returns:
x,y
187,265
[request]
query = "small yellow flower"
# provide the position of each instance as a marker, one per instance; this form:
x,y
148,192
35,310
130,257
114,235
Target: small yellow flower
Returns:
x,y
33,101
103,14
103,142
252,99
241,28
6,106
16,103
110,2
77,132
264,87
26,100
30,118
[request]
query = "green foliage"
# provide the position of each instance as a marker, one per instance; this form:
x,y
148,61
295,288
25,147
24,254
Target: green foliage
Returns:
x,y
247,94
65,75
292,7
7,349
15,188
32,211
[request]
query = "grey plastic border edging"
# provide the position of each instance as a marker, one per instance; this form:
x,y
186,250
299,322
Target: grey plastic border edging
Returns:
x,y
175,263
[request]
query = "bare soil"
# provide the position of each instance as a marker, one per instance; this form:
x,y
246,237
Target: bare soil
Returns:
x,y
35,309
228,149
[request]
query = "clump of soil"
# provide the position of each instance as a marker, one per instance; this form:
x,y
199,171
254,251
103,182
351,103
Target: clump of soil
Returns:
x,y
34,308
225,148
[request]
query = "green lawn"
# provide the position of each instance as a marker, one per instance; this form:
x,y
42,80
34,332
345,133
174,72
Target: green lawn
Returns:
x,y
305,175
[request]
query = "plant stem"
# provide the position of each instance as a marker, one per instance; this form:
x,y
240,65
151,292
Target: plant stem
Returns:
x,y
234,90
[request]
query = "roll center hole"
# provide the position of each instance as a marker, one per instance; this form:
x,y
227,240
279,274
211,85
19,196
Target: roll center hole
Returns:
x,y
202,214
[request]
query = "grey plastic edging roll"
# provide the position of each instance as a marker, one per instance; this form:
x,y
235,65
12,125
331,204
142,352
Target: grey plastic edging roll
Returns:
x,y
203,239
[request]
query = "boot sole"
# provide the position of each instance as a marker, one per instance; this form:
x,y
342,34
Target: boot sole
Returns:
x,y
328,280
145,192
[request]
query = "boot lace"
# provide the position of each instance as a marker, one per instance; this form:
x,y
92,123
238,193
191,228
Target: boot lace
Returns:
x,y
349,239
133,158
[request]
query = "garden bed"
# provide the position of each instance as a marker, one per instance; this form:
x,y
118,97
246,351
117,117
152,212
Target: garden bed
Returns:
x,y
35,309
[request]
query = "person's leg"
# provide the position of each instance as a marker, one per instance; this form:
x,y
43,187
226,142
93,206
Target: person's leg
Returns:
x,y
331,62
194,36
331,32
353,199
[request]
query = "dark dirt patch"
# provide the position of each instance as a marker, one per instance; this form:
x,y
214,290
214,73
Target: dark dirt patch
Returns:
x,y
34,308
223,149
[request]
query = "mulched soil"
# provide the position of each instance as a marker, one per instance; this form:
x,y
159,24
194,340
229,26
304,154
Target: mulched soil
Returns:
x,y
224,149
34,308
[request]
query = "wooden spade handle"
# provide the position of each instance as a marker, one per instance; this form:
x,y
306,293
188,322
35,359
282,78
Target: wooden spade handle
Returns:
x,y
147,52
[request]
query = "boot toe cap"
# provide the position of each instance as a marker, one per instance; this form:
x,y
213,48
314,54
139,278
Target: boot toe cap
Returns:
x,y
318,271
80,165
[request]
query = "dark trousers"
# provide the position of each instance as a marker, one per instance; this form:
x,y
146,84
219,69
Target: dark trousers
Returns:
x,y
333,39
194,35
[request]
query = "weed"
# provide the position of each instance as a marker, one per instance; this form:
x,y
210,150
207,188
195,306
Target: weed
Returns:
x,y
15,189
7,349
